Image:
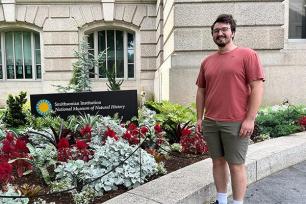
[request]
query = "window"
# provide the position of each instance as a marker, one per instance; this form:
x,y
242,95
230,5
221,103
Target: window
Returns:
x,y
119,54
20,55
297,19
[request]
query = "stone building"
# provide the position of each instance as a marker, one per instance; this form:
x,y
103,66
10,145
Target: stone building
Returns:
x,y
154,45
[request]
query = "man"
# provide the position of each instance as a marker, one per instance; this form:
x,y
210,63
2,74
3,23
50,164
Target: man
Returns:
x,y
230,88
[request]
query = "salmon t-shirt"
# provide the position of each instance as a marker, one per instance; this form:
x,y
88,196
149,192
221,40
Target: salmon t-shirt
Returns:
x,y
225,78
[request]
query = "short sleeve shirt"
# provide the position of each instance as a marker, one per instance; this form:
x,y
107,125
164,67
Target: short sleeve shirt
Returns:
x,y
225,78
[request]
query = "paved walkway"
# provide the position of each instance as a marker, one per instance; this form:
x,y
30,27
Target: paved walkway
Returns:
x,y
287,186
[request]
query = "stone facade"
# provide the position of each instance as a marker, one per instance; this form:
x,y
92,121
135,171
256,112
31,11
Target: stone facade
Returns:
x,y
171,39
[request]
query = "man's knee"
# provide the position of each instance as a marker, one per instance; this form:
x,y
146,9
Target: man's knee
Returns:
x,y
219,162
236,168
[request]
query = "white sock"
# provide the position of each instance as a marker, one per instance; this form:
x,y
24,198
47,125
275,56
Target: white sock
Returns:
x,y
222,198
237,202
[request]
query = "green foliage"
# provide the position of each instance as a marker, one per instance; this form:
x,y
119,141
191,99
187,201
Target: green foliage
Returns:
x,y
44,156
14,115
278,121
82,69
174,117
112,84
161,169
47,121
176,147
84,197
106,158
12,192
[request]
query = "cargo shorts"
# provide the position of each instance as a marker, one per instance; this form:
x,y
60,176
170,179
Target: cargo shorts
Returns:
x,y
223,140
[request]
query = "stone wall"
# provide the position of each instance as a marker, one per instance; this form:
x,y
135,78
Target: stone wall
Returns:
x,y
62,25
261,26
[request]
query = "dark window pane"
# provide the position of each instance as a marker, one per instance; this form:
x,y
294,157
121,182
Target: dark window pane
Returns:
x,y
27,52
297,19
37,56
119,55
91,41
19,71
101,41
38,71
28,72
110,51
130,41
92,70
18,55
130,56
1,72
131,71
101,48
37,41
9,55
10,71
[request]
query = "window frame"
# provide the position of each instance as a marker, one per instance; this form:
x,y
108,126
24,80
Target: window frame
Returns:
x,y
33,54
296,40
125,50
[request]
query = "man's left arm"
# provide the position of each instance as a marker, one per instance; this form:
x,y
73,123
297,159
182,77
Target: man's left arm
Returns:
x,y
255,98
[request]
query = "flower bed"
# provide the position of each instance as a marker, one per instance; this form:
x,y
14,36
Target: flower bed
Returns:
x,y
87,155
92,158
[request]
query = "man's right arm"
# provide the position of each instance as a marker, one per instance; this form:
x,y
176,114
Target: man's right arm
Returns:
x,y
200,97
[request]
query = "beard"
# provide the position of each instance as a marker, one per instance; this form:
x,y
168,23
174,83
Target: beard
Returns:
x,y
221,41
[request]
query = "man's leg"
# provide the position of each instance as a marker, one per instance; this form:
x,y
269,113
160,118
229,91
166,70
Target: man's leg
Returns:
x,y
235,149
239,181
220,173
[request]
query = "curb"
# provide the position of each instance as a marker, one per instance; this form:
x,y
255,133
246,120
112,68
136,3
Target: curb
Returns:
x,y
194,184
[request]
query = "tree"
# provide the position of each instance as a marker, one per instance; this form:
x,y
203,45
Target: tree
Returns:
x,y
80,81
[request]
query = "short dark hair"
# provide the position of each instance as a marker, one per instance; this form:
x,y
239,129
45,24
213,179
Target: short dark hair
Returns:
x,y
225,18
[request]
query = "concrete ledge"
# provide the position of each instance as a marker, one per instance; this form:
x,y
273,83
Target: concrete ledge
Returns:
x,y
194,184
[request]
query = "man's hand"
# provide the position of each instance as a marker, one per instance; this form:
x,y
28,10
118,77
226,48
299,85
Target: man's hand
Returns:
x,y
199,127
247,128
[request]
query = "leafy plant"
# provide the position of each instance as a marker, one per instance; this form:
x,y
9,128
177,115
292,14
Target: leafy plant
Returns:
x,y
106,157
113,84
15,151
44,157
193,142
83,68
278,121
14,115
173,117
11,191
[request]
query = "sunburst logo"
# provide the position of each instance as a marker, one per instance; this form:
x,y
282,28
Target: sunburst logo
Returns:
x,y
43,107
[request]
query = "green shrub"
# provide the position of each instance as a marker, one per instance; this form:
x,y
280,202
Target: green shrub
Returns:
x,y
174,117
14,115
278,121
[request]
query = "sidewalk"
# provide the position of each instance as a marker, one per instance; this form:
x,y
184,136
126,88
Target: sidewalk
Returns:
x,y
284,187
194,184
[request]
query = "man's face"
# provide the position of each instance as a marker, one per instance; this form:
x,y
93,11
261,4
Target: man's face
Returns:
x,y
222,34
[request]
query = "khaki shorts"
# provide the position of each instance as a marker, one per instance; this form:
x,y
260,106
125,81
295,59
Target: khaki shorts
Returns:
x,y
223,140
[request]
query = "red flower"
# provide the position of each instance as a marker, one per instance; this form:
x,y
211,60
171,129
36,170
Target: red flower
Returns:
x,y
63,143
21,145
144,130
158,128
134,140
5,172
10,136
186,132
127,136
132,126
110,133
7,146
87,129
80,144
302,121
